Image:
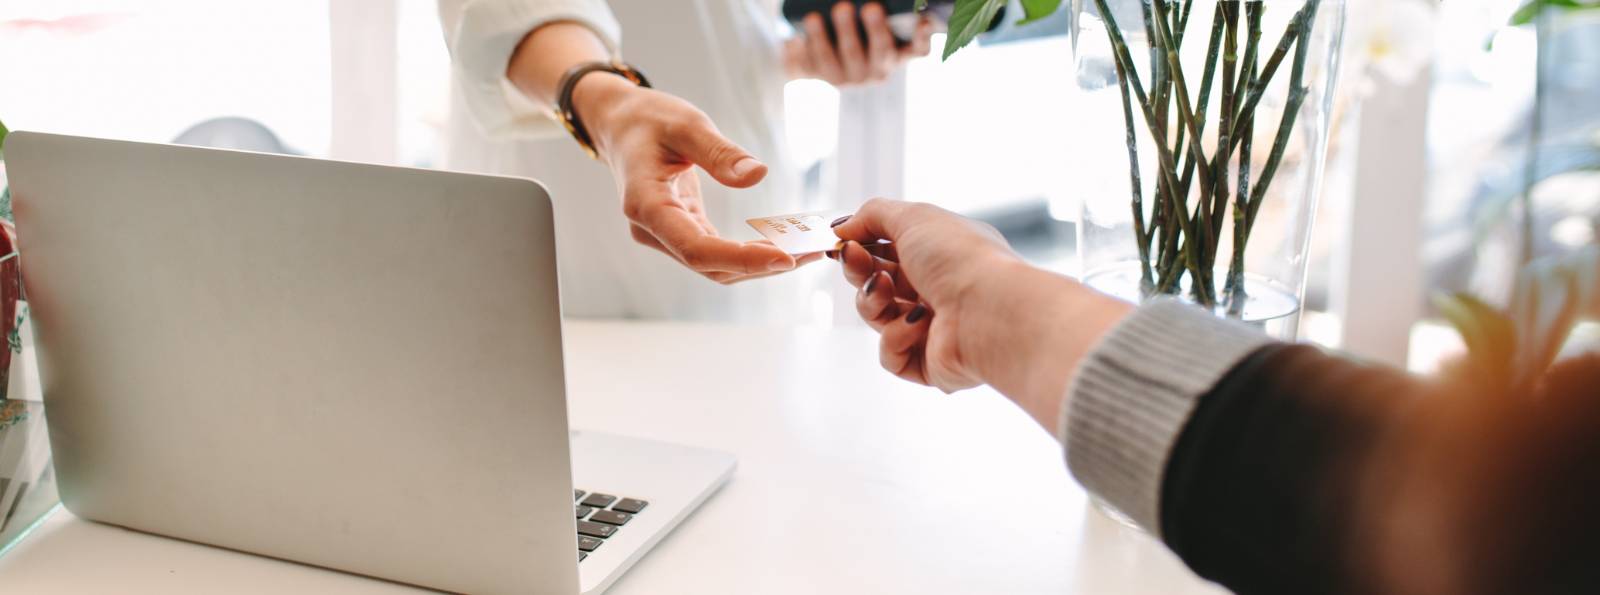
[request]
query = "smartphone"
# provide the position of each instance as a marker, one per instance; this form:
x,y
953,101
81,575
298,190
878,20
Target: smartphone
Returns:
x,y
903,16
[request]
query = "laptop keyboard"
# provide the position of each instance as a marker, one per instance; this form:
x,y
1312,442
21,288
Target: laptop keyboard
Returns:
x,y
600,516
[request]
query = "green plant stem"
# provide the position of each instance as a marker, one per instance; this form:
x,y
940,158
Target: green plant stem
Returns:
x,y
1202,108
1183,25
1168,269
1230,70
1252,48
1176,240
1121,53
1160,91
1204,288
1185,112
1297,27
1291,111
1235,288
1146,281
1186,115
1219,205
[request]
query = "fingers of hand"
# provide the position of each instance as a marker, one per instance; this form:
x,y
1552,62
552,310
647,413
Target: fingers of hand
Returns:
x,y
859,264
901,350
645,238
797,58
682,235
878,219
876,304
882,55
736,278
696,139
823,59
852,58
920,43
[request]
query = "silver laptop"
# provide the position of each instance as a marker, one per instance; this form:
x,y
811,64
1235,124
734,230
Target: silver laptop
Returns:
x,y
351,366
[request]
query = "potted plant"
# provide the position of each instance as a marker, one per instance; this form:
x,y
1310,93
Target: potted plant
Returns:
x,y
1220,111
1511,346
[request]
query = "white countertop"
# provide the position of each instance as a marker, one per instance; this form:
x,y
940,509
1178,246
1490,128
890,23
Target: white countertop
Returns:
x,y
849,481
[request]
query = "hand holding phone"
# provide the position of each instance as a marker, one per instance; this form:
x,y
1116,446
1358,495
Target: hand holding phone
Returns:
x,y
902,16
884,39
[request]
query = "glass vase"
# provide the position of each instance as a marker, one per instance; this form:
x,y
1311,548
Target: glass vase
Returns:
x,y
1202,133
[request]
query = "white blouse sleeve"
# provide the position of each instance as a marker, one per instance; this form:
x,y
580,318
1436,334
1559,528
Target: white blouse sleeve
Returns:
x,y
482,34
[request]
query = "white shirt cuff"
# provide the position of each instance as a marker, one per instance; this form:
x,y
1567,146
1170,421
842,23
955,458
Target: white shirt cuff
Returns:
x,y
1132,398
486,34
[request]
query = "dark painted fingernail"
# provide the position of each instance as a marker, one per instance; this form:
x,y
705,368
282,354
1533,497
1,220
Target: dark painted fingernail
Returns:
x,y
839,221
871,283
833,254
917,314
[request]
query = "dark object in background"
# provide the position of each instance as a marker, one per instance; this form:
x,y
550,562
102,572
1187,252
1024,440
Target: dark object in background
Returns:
x,y
903,16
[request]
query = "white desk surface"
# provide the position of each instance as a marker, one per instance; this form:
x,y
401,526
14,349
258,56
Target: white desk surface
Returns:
x,y
849,481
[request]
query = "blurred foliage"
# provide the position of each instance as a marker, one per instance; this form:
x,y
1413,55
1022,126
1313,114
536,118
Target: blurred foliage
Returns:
x,y
1509,350
1555,159
973,17
1532,10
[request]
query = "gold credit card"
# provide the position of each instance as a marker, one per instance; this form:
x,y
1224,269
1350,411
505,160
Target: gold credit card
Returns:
x,y
801,233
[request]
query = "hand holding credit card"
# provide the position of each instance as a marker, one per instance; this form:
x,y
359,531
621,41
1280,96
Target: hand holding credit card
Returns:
x,y
802,233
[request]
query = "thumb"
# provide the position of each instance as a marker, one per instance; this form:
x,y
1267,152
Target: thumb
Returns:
x,y
878,219
727,162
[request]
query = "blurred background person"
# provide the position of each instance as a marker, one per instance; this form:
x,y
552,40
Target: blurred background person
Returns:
x,y
719,67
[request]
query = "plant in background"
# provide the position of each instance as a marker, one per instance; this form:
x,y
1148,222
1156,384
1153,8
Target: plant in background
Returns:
x,y
1530,12
1181,234
1509,350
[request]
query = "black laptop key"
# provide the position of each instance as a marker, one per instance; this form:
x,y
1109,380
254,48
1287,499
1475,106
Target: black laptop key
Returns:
x,y
611,517
588,544
595,529
582,555
630,505
578,495
583,511
599,500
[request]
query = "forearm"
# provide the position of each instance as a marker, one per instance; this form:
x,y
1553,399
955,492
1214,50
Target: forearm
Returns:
x,y
1249,458
1264,490
1031,330
547,53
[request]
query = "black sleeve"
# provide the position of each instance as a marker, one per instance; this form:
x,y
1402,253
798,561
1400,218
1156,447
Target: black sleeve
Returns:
x,y
1260,491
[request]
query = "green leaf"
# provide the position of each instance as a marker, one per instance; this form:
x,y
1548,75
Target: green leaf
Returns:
x,y
1531,10
1491,336
1552,295
1033,10
922,5
970,18
3,133
1511,350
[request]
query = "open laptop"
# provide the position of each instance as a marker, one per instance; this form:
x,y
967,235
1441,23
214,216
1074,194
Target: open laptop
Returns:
x,y
351,366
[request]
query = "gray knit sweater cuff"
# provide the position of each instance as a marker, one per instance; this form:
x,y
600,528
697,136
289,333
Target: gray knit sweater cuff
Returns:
x,y
1134,393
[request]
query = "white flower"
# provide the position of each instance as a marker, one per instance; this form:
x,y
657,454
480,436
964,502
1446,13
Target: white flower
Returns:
x,y
1391,39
